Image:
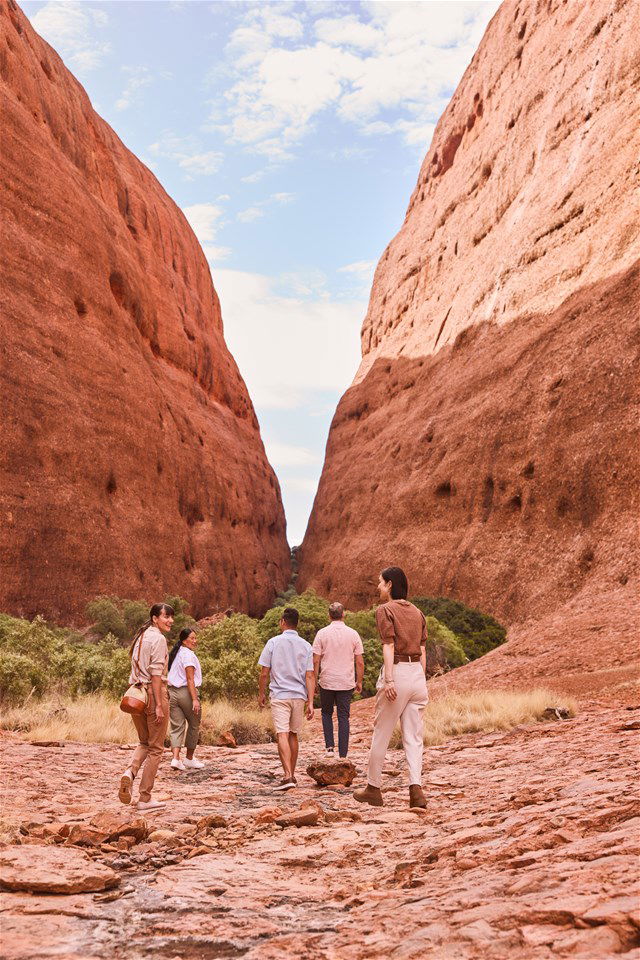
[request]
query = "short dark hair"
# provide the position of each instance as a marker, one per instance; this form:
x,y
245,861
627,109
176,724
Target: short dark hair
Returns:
x,y
290,616
398,579
336,610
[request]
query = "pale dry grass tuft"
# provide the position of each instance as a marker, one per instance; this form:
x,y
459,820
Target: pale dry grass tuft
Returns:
x,y
459,713
96,718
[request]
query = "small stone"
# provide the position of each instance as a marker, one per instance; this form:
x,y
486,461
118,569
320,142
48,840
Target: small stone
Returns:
x,y
83,835
556,713
267,814
161,835
226,739
299,818
212,822
332,772
116,826
51,869
198,852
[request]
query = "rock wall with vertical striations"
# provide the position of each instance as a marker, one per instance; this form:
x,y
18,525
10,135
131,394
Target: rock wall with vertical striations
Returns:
x,y
131,458
489,441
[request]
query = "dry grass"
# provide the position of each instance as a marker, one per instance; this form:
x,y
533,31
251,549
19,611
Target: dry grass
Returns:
x,y
97,719
457,714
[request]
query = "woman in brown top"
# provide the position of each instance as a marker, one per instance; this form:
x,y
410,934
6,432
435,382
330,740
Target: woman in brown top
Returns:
x,y
402,686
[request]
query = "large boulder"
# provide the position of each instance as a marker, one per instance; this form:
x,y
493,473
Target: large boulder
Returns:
x,y
332,772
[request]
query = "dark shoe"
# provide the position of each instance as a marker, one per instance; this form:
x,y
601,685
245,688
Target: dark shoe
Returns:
x,y
369,794
416,797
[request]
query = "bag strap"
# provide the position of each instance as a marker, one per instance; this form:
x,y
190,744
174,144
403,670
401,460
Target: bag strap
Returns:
x,y
136,661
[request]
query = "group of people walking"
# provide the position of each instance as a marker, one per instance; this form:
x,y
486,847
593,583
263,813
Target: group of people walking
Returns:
x,y
292,669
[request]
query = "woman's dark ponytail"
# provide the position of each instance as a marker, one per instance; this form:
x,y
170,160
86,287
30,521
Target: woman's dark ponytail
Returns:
x,y
186,632
155,611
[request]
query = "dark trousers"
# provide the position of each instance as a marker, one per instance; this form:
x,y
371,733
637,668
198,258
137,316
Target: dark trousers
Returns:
x,y
342,701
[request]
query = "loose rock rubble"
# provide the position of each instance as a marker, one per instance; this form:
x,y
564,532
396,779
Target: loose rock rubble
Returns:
x,y
527,851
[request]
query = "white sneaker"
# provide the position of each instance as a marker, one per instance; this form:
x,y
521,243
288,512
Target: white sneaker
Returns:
x,y
150,804
193,764
330,752
178,764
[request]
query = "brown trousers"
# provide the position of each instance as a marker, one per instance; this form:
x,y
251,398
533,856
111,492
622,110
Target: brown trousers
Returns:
x,y
151,736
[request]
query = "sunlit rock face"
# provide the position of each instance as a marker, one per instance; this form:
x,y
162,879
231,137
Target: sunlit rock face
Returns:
x,y
131,455
487,443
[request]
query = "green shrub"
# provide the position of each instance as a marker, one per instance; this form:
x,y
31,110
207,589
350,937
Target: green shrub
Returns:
x,y
237,632
364,621
106,616
19,675
372,663
232,675
477,632
314,614
440,636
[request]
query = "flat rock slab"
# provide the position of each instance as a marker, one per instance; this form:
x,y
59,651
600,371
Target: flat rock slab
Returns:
x,y
44,869
332,772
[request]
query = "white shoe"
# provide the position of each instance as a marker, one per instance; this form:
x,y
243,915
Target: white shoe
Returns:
x,y
330,752
150,804
193,764
178,764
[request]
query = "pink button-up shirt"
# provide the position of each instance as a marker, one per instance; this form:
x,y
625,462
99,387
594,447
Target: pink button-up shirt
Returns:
x,y
337,644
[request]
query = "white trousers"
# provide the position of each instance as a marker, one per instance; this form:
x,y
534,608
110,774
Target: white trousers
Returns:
x,y
408,708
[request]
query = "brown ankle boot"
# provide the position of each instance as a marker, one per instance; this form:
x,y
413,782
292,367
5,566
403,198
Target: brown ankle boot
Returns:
x,y
416,797
369,794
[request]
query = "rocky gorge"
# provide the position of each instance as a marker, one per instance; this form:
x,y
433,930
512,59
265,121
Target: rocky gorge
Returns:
x,y
131,458
488,443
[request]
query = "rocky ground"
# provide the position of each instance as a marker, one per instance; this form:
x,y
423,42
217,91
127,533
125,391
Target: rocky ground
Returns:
x,y
528,850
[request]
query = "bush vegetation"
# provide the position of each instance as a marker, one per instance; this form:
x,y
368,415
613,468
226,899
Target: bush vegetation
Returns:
x,y
37,658
477,632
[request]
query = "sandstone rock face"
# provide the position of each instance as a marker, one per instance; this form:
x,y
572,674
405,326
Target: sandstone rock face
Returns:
x,y
53,870
131,458
488,443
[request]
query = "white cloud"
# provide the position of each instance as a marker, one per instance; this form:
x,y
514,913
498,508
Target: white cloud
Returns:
x,y
204,219
73,29
299,484
138,79
287,455
289,342
187,152
259,209
404,57
251,214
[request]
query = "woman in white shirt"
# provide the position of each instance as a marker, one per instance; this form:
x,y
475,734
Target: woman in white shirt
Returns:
x,y
185,680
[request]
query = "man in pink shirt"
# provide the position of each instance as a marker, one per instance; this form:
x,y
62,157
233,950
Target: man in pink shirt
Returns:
x,y
334,650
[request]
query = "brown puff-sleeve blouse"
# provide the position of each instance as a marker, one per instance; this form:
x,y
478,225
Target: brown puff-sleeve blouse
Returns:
x,y
401,623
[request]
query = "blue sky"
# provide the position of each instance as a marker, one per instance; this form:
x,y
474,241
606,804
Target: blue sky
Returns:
x,y
291,134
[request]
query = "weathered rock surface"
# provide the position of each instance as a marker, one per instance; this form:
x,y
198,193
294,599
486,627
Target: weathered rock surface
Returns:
x,y
53,870
488,441
528,851
335,771
131,460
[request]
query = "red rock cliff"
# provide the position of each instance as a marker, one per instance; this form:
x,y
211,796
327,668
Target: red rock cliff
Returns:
x,y
488,441
131,456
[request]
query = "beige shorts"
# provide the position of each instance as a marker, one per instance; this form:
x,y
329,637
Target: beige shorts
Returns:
x,y
287,715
